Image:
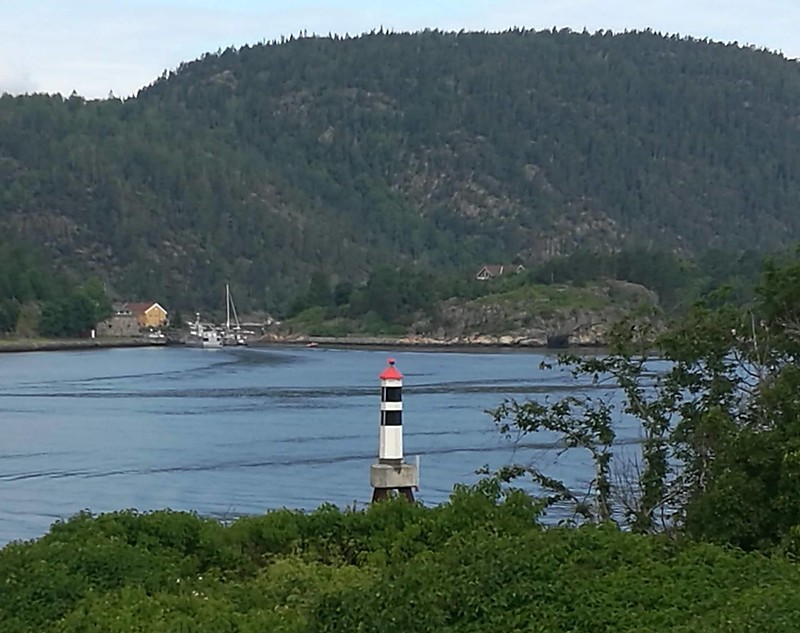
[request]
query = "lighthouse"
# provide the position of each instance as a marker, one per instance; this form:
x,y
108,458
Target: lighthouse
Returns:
x,y
391,442
390,473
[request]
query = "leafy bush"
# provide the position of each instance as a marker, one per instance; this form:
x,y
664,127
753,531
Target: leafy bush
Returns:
x,y
480,562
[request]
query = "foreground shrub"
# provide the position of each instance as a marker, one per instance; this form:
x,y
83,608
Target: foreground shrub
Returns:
x,y
478,563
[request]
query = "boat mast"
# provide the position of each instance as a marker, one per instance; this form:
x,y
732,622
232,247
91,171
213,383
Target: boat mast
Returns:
x,y
235,316
228,306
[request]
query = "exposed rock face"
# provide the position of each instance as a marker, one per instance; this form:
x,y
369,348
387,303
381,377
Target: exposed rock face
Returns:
x,y
592,336
538,321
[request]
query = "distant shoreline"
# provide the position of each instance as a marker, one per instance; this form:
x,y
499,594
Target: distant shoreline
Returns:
x,y
323,342
373,342
61,345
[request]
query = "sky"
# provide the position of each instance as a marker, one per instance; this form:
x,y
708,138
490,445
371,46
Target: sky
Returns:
x,y
97,47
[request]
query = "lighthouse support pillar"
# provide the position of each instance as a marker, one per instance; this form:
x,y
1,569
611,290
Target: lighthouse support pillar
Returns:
x,y
387,478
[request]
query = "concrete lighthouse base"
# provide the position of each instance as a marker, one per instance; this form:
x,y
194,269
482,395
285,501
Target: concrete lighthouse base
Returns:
x,y
384,478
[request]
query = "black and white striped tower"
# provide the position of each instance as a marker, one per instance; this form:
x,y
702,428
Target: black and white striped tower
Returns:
x,y
390,473
391,444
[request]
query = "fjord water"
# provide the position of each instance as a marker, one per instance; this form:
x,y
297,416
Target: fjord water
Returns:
x,y
242,430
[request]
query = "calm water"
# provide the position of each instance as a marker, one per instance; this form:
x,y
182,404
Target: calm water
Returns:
x,y
235,432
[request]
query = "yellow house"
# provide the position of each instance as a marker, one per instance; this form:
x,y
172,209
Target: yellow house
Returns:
x,y
148,315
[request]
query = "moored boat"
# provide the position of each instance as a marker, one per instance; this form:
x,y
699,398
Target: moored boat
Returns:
x,y
203,335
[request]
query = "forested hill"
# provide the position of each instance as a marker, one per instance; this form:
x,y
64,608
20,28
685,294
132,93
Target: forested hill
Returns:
x,y
263,164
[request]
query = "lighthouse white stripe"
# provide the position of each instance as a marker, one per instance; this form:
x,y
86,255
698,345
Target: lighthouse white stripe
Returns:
x,y
391,442
391,406
391,383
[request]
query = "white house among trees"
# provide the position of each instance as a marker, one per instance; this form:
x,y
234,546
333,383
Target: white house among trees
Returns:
x,y
489,271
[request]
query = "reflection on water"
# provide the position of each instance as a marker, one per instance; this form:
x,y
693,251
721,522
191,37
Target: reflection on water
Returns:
x,y
234,432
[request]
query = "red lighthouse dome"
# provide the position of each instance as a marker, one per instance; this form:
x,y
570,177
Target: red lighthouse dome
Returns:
x,y
391,372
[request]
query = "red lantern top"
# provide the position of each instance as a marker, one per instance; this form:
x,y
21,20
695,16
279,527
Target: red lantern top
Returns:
x,y
391,372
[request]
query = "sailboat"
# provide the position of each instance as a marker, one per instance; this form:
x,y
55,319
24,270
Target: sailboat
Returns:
x,y
232,334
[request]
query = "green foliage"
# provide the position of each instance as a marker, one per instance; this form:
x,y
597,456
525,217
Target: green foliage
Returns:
x,y
480,562
407,300
77,313
22,280
395,295
719,416
342,293
548,298
561,580
677,281
98,302
385,304
309,317
35,300
176,321
580,422
317,294
9,314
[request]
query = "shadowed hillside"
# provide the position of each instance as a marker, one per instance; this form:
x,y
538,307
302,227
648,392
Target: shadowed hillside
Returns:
x,y
263,164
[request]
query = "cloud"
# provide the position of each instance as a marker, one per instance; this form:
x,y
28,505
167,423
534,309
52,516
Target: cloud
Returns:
x,y
15,78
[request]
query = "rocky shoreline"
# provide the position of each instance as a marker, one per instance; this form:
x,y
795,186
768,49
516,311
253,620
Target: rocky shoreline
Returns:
x,y
507,341
475,325
477,340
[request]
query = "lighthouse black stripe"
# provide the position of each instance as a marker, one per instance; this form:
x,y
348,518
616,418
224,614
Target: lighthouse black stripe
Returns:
x,y
391,394
391,418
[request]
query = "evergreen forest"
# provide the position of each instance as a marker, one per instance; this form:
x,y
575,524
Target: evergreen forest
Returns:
x,y
34,301
262,165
